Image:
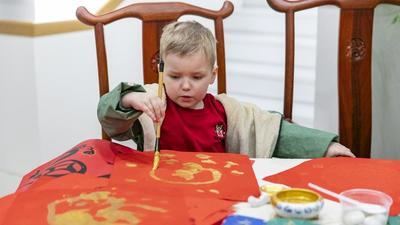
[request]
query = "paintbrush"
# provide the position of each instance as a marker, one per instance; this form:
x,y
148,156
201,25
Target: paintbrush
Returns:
x,y
156,159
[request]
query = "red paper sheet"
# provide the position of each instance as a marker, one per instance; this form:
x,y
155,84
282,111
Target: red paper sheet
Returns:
x,y
212,175
82,192
191,186
339,174
111,205
72,181
94,157
208,211
5,204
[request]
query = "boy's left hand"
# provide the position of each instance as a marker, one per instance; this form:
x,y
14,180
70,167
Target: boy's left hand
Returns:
x,y
335,149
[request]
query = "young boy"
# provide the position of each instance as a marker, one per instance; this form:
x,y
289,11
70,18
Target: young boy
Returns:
x,y
194,120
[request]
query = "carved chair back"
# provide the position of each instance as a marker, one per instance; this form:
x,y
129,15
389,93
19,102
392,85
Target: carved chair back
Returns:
x,y
354,66
154,17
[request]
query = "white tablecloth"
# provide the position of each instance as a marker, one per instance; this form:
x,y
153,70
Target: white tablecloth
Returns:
x,y
329,215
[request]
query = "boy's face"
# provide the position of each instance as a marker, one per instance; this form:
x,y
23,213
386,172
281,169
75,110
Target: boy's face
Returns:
x,y
187,78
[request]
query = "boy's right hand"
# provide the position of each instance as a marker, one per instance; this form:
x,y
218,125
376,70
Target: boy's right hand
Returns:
x,y
336,149
149,104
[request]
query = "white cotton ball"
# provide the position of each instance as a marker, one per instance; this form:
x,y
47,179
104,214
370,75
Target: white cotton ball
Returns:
x,y
264,198
256,202
354,217
371,221
377,219
381,217
251,200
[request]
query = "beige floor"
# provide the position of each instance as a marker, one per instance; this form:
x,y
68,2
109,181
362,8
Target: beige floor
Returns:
x,y
8,183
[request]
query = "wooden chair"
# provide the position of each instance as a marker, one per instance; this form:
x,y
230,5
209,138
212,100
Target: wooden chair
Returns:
x,y
154,17
354,66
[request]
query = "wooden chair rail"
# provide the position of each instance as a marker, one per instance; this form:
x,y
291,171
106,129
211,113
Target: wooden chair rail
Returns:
x,y
153,12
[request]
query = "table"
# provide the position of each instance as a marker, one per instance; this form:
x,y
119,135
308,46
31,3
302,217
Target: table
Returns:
x,y
329,215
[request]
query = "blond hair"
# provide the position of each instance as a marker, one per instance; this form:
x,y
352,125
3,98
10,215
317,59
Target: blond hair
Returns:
x,y
188,37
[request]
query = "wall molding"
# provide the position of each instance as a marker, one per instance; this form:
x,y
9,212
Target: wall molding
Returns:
x,y
19,28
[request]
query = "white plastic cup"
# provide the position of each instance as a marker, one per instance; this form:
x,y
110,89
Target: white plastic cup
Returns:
x,y
354,215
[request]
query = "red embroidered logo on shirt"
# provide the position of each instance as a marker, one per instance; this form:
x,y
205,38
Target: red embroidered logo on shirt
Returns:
x,y
220,131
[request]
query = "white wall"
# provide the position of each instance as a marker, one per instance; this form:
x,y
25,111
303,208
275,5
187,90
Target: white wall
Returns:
x,y
18,108
51,11
66,85
21,10
19,137
326,92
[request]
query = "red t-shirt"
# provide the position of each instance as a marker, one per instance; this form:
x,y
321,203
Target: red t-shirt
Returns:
x,y
196,130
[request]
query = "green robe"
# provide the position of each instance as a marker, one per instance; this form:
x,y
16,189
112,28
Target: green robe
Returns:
x,y
122,124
